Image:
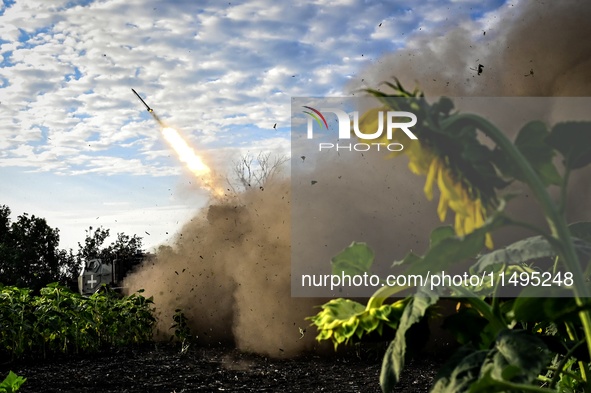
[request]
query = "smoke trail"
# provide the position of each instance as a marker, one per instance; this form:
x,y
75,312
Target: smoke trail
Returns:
x,y
229,270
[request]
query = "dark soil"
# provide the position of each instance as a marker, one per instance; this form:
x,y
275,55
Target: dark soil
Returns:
x,y
161,368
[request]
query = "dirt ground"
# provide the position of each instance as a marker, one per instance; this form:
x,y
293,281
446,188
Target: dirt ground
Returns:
x,y
162,368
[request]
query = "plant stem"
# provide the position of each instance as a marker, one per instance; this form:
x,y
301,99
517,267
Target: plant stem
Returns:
x,y
554,217
563,190
572,334
558,372
382,294
560,367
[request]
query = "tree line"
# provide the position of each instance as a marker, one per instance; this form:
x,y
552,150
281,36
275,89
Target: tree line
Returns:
x,y
30,256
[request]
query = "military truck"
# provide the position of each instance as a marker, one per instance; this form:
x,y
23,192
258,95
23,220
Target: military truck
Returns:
x,y
97,272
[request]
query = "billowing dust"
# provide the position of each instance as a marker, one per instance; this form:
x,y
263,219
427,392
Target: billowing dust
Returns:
x,y
229,273
527,48
229,270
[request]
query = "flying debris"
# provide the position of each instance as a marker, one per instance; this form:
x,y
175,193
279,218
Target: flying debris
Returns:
x,y
302,332
479,70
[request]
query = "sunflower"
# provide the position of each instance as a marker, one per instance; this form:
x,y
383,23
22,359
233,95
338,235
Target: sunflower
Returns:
x,y
343,320
470,213
453,160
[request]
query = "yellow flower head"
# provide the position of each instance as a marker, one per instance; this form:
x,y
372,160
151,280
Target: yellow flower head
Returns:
x,y
456,192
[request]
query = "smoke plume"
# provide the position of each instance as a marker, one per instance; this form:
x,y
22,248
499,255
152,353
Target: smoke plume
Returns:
x,y
229,270
530,48
229,273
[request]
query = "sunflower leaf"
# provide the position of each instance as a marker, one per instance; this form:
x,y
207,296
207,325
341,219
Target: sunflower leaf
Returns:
x,y
573,141
355,259
393,362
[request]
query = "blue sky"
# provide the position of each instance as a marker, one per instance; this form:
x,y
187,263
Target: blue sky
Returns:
x,y
79,149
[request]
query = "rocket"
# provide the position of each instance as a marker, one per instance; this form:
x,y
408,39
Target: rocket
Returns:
x,y
150,110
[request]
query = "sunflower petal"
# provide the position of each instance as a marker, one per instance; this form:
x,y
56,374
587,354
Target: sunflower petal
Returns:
x,y
428,189
442,207
368,123
459,225
489,242
447,187
469,222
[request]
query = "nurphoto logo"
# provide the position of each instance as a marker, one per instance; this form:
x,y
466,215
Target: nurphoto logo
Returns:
x,y
346,120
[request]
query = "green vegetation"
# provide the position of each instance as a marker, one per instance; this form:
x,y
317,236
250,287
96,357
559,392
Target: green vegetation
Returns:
x,y
61,321
11,383
182,331
29,253
342,320
181,328
30,257
124,247
539,341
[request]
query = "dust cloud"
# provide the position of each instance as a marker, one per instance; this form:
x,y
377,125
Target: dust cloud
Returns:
x,y
229,270
531,48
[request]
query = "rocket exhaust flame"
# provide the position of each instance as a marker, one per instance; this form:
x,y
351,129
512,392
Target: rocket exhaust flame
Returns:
x,y
193,162
185,153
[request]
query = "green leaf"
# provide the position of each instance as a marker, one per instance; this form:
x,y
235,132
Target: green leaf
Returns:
x,y
451,250
409,259
531,143
526,250
393,361
581,230
517,357
573,141
536,304
447,249
466,326
520,252
460,371
441,233
369,323
11,383
446,252
444,105
356,259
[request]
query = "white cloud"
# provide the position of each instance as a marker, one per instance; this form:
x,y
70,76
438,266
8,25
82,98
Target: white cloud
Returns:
x,y
222,74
